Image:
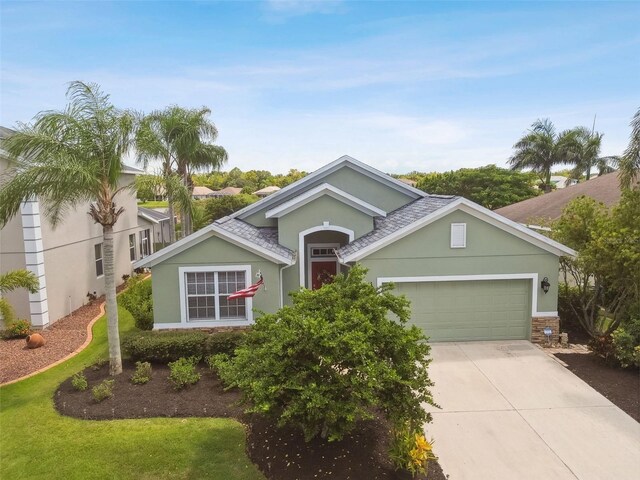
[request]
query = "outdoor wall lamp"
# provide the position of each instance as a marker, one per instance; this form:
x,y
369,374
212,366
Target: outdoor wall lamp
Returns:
x,y
545,284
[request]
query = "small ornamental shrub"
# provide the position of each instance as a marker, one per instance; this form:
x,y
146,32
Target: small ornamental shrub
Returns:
x,y
164,347
411,451
602,346
183,372
137,299
224,342
18,329
142,374
334,357
79,382
103,390
98,364
626,343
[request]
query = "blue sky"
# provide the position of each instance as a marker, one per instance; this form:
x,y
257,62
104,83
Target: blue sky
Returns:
x,y
400,85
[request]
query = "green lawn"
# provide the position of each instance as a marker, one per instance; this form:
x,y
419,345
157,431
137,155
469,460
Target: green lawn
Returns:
x,y
36,442
155,204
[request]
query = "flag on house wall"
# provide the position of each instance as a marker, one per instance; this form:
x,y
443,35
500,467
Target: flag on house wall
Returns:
x,y
247,292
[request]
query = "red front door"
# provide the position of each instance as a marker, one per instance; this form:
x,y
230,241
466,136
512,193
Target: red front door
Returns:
x,y
321,273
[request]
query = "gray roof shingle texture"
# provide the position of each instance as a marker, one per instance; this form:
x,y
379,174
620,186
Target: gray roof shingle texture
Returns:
x,y
263,237
394,221
155,214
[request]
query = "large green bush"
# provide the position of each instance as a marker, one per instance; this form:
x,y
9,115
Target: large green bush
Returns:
x,y
168,346
626,343
333,358
137,299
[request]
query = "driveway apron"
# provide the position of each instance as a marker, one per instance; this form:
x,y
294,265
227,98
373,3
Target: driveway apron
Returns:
x,y
510,411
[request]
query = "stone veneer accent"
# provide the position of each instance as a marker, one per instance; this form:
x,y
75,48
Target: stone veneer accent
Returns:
x,y
538,325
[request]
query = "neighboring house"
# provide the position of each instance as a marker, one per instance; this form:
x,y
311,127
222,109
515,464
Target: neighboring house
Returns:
x,y
201,192
560,181
67,259
156,228
549,207
470,274
226,192
266,191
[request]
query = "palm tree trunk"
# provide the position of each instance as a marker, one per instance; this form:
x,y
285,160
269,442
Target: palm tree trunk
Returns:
x,y
187,222
547,183
113,334
172,221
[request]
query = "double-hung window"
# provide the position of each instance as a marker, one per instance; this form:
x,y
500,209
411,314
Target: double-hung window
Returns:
x,y
205,290
145,246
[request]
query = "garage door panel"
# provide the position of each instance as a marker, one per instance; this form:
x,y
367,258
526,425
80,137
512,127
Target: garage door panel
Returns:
x,y
470,310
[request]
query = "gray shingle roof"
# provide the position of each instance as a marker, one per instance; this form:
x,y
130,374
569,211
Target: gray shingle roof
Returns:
x,y
263,237
396,220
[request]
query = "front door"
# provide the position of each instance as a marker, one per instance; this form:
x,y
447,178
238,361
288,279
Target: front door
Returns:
x,y
322,272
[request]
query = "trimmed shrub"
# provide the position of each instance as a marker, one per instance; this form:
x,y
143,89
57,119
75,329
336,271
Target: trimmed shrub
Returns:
x,y
137,299
79,382
164,347
17,329
183,372
333,358
142,374
103,390
224,342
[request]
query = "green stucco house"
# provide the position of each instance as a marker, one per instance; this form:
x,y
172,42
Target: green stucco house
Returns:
x,y
470,274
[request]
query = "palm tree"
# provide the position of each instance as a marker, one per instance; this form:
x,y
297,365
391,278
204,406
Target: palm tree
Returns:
x,y
180,138
584,153
10,281
629,164
66,159
541,149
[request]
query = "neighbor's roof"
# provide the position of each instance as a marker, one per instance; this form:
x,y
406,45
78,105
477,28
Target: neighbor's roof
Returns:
x,y
154,216
266,190
605,189
228,191
394,221
201,191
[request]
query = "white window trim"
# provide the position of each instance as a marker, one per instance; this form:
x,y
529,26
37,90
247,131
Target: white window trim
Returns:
x,y
464,235
535,284
320,259
184,317
302,260
101,258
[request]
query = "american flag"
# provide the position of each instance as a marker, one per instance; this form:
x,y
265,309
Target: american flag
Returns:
x,y
247,292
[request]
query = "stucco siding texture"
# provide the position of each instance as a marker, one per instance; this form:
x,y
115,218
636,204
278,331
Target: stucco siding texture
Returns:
x,y
347,180
323,209
489,250
213,252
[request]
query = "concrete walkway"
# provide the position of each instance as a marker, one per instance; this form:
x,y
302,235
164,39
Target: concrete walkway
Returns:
x,y
509,411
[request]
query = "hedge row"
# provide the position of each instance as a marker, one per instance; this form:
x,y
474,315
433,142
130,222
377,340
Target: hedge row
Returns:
x,y
164,347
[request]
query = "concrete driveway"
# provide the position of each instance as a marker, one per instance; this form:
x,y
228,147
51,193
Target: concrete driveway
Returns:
x,y
509,411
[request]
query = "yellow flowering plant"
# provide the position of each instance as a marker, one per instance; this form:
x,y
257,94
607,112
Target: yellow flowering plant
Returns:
x,y
411,451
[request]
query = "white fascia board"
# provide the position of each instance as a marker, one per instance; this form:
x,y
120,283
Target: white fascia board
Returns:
x,y
516,229
147,217
477,211
326,170
319,191
257,249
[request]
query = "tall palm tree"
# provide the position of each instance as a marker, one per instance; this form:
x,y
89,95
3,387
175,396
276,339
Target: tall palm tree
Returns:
x,y
179,138
541,149
584,153
196,152
629,164
66,159
10,281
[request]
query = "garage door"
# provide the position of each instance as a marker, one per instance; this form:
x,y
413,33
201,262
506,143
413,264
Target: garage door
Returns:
x,y
470,310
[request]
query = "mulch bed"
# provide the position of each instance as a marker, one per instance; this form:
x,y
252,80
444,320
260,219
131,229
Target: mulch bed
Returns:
x,y
61,338
620,385
280,454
